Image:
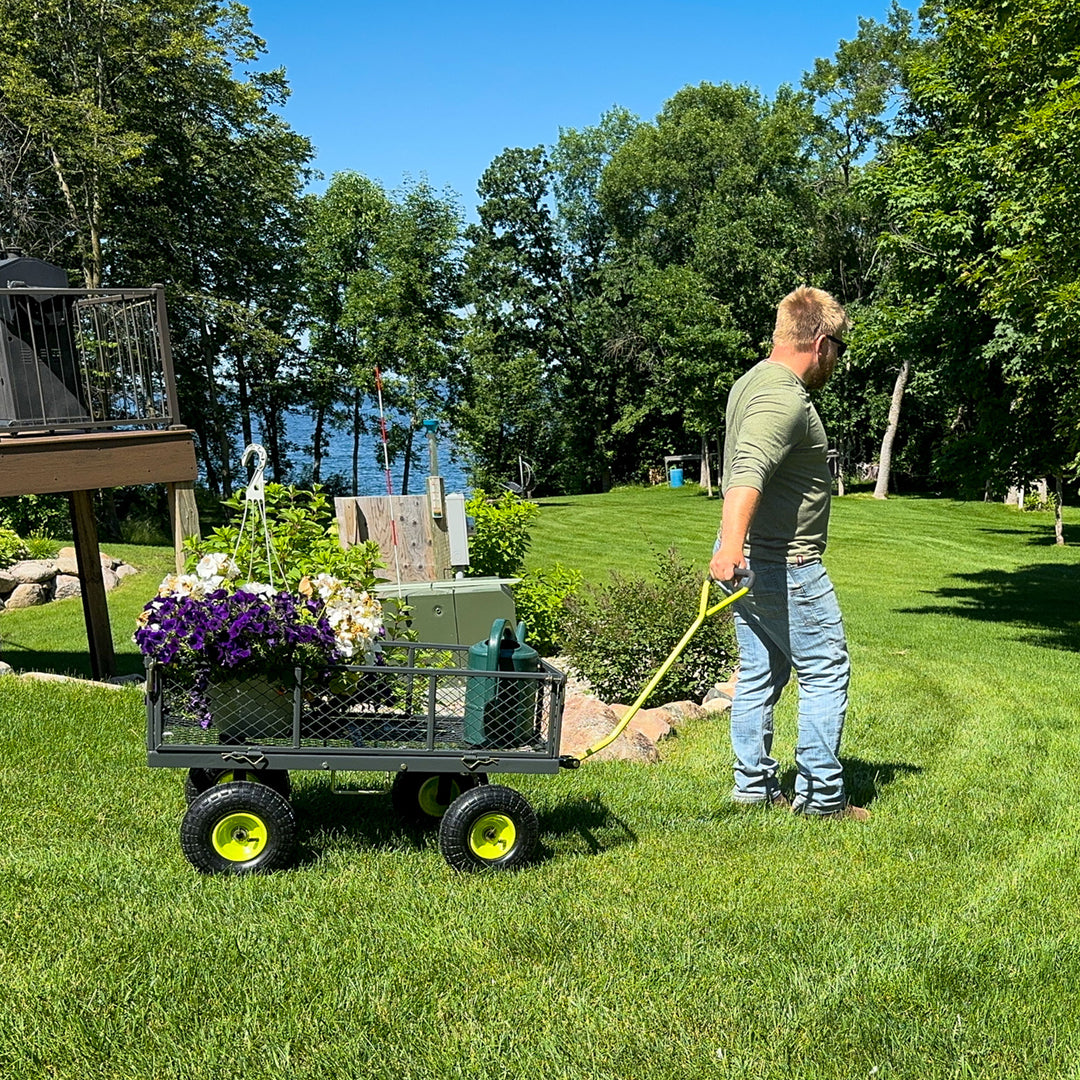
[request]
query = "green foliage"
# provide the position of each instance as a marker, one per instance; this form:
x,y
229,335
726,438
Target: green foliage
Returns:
x,y
40,547
618,634
12,549
500,540
303,535
45,514
539,598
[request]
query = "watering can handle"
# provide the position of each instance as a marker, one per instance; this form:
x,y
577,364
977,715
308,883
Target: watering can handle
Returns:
x,y
500,629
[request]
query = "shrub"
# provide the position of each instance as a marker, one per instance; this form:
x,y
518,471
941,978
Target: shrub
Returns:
x,y
12,548
500,539
539,599
618,635
41,547
47,515
304,538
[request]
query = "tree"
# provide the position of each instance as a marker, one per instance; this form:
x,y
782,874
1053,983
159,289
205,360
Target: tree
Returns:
x,y
166,161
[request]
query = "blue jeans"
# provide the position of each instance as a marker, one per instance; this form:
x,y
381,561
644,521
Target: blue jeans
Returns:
x,y
791,620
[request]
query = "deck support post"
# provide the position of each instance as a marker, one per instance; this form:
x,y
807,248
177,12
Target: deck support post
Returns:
x,y
95,604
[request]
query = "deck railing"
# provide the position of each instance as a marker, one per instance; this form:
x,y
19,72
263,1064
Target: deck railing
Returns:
x,y
85,360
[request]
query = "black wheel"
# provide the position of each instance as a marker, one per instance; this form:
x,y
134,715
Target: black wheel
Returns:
x,y
199,780
238,828
489,827
423,798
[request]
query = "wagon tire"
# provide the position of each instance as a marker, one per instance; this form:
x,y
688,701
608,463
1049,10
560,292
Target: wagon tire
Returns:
x,y
199,780
489,827
415,795
239,828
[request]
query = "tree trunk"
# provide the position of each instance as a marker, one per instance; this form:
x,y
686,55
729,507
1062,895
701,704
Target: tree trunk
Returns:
x,y
408,461
356,442
705,479
1059,524
317,442
881,489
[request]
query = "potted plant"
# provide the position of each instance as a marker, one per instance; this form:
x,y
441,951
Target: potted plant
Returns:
x,y
232,648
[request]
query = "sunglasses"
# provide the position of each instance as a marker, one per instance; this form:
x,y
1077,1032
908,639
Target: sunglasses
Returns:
x,y
841,346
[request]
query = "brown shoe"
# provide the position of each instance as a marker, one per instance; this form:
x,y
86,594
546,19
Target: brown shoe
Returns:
x,y
852,812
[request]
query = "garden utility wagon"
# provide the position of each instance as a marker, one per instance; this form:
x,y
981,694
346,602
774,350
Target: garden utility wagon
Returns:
x,y
441,718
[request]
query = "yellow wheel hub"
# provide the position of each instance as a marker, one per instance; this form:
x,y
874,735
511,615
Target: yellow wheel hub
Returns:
x,y
492,836
239,837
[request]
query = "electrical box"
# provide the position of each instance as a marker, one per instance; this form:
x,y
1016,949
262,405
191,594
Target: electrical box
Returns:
x,y
457,529
456,612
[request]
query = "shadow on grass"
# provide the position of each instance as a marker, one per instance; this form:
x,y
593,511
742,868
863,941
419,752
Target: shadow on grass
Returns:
x,y
586,824
1038,600
1040,535
367,820
863,780
61,663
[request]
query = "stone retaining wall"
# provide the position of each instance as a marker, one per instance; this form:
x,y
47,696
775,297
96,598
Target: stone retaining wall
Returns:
x,y
34,582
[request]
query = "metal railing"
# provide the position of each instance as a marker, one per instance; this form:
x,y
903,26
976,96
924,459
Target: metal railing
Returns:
x,y
85,360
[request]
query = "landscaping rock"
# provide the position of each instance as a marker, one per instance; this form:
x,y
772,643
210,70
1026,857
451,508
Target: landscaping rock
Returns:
x,y
67,587
67,562
586,720
109,577
27,595
716,705
7,583
6,669
125,570
33,571
653,723
681,711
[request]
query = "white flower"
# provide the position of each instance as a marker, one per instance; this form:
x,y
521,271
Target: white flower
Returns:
x,y
217,567
182,585
257,588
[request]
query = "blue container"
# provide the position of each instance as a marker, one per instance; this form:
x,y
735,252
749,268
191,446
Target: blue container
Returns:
x,y
676,477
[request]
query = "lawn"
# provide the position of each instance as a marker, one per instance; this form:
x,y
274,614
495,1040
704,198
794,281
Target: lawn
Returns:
x,y
659,934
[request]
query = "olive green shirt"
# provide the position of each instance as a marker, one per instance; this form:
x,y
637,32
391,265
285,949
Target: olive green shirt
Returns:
x,y
776,444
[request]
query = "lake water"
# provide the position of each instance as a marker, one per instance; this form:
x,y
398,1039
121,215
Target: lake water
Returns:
x,y
371,473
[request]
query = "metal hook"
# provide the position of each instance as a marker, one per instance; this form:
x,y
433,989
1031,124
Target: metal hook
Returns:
x,y
256,490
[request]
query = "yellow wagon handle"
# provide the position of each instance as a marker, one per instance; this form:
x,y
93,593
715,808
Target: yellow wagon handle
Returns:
x,y
704,611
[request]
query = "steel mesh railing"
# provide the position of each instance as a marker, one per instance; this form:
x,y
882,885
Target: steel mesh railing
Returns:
x,y
423,699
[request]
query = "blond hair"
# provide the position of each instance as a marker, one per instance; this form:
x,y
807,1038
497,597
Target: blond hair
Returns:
x,y
805,314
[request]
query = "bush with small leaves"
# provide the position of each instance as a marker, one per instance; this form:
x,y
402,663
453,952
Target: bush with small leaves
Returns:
x,y
500,539
619,634
539,598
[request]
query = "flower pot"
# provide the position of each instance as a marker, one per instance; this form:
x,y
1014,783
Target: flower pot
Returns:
x,y
252,709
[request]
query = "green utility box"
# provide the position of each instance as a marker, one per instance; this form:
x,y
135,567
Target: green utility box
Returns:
x,y
500,713
458,611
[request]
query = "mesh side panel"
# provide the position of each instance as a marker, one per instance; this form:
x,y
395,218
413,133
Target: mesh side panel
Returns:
x,y
426,701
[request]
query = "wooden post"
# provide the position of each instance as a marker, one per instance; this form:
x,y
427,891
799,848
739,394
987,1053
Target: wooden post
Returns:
x,y
95,605
184,516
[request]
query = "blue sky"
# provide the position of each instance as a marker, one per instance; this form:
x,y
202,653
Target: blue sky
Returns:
x,y
415,88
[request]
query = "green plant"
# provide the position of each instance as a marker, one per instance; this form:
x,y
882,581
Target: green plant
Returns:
x,y
1034,500
12,548
616,635
48,515
500,539
304,540
539,598
41,547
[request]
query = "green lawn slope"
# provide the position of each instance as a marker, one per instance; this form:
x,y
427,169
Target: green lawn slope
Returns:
x,y
659,934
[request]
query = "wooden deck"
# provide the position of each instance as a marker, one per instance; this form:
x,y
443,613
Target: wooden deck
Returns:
x,y
36,464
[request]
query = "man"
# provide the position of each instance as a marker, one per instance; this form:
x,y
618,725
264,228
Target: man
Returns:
x,y
777,489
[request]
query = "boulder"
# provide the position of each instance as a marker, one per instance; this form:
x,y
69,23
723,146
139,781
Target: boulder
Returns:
x,y
125,570
29,594
6,669
109,577
654,723
67,562
586,720
718,704
33,571
7,582
67,586
681,711
107,561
